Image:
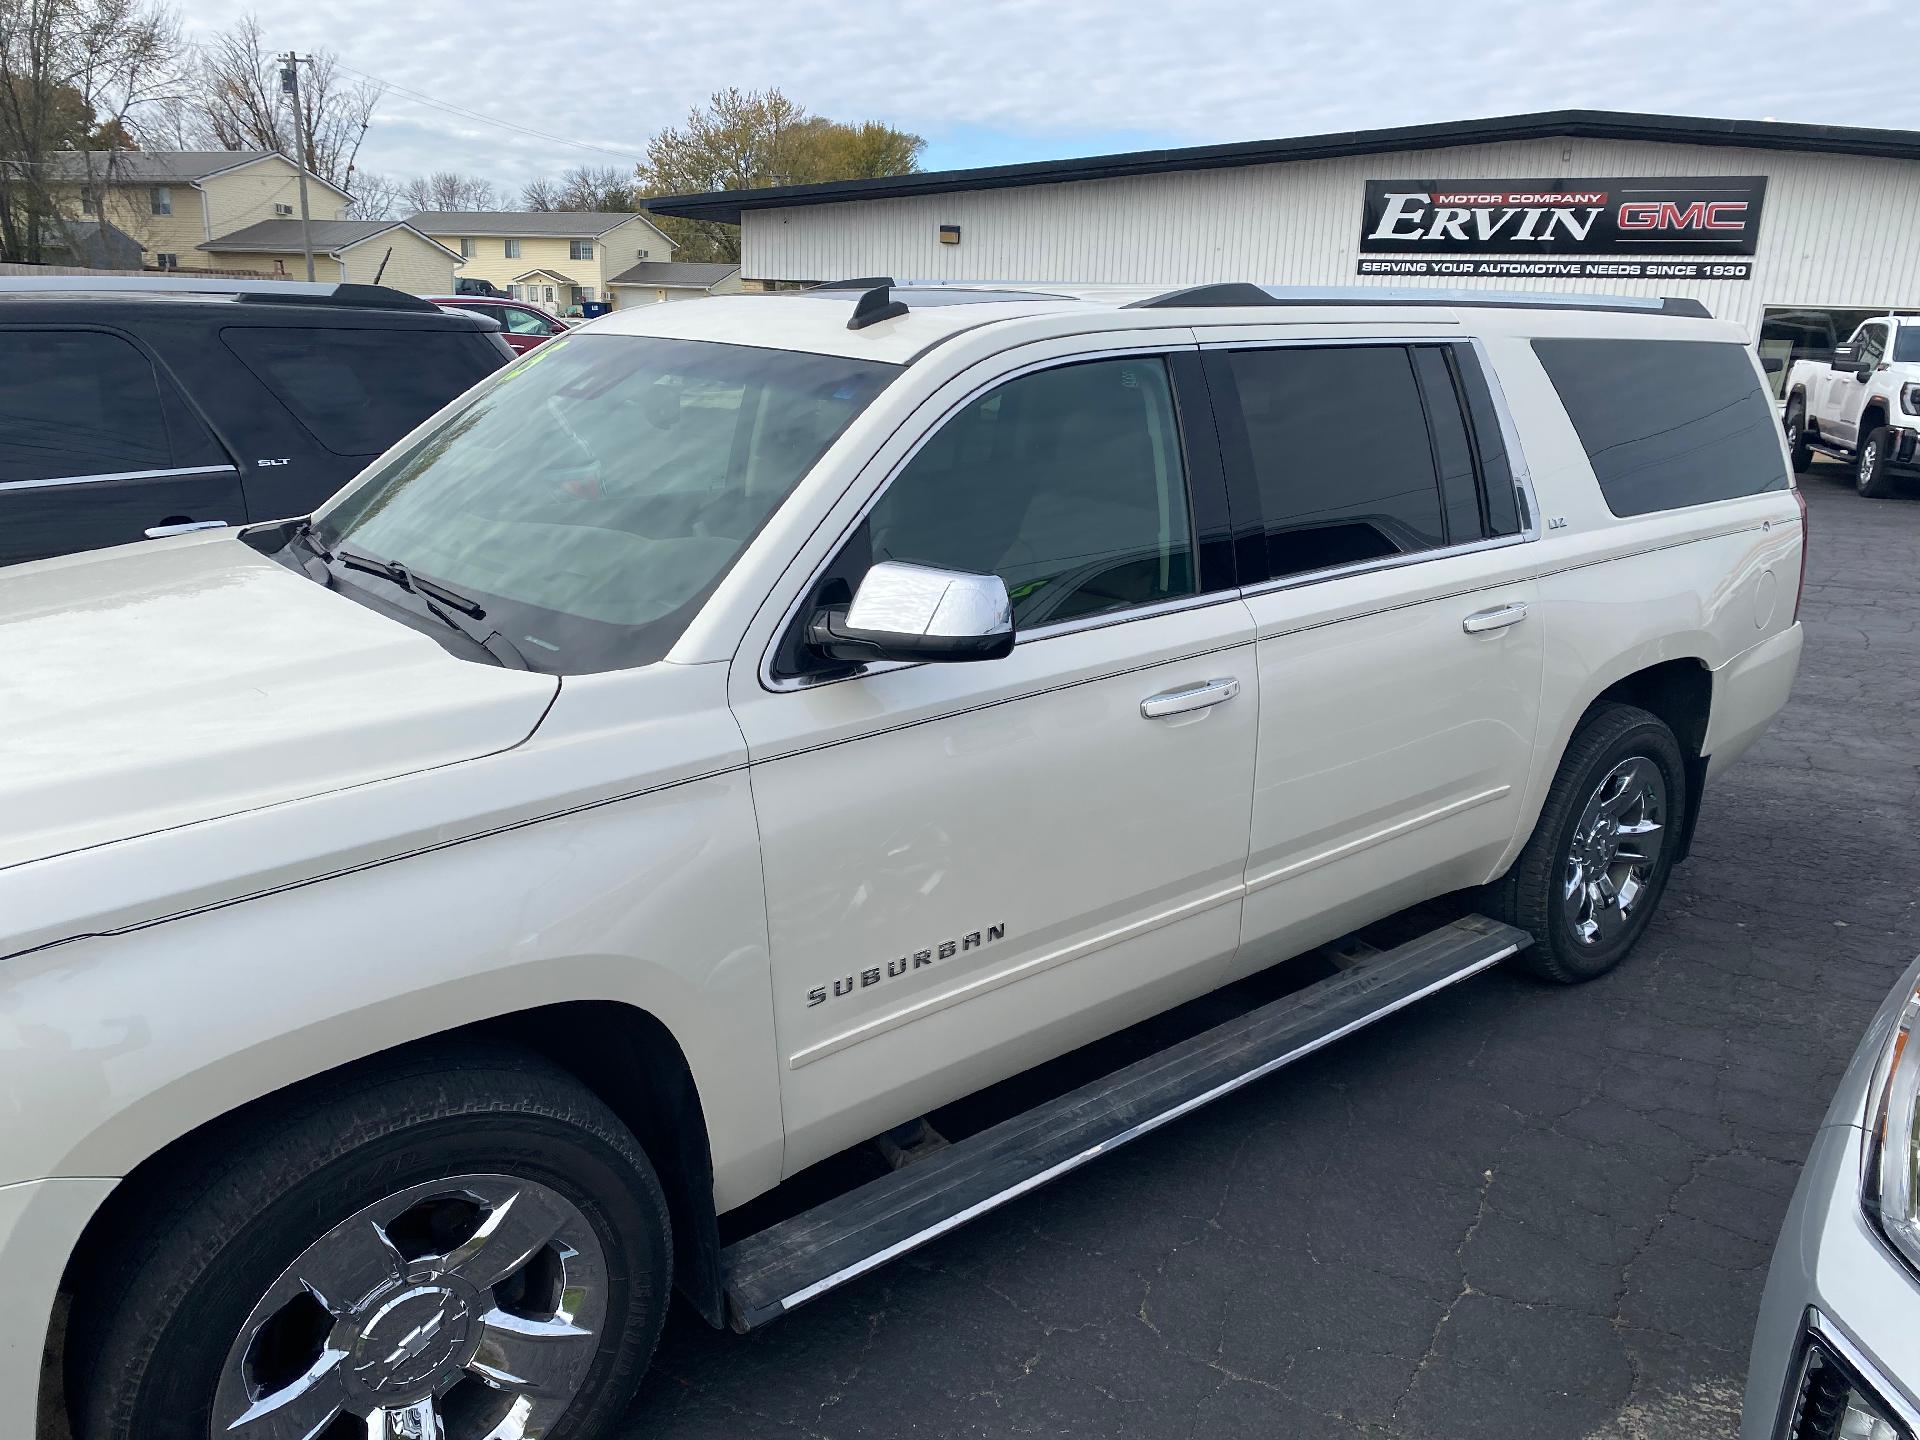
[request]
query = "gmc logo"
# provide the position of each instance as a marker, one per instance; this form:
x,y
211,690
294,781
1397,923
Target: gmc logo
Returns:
x,y
1700,215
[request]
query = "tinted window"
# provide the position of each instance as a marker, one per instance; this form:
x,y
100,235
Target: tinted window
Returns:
x,y
1067,483
1459,486
1872,344
1906,344
592,495
1668,423
358,391
1501,495
1339,454
77,402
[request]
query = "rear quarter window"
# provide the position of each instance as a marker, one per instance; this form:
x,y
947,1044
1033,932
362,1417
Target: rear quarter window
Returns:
x,y
1667,423
358,391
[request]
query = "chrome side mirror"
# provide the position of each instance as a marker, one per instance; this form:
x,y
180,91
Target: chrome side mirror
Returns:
x,y
915,612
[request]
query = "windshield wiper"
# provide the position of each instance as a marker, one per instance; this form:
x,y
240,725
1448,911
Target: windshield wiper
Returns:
x,y
440,602
318,555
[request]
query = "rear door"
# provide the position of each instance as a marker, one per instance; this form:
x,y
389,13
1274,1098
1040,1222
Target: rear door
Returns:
x,y
98,447
1398,654
352,391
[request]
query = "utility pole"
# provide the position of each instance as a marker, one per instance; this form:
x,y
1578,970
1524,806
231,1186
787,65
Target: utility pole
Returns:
x,y
290,85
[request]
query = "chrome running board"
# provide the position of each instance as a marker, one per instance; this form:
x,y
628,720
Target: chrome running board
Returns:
x,y
789,1263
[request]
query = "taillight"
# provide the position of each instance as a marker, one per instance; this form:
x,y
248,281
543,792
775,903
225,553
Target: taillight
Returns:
x,y
1800,590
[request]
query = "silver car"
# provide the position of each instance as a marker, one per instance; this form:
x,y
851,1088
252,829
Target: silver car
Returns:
x,y
1837,1349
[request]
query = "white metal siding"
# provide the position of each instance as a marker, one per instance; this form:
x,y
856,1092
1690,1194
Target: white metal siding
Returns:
x,y
1836,230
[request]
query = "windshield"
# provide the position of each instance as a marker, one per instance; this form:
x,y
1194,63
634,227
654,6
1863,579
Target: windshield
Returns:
x,y
592,496
1906,345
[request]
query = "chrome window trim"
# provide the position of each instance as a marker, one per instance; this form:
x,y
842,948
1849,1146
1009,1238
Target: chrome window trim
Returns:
x,y
1516,460
1516,464
768,681
1385,562
119,475
1509,436
1884,1390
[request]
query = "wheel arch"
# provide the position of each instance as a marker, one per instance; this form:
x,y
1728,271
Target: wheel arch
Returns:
x,y
626,1056
1874,416
1679,692
1676,688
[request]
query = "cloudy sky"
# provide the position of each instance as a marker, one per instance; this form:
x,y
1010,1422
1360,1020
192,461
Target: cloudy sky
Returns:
x,y
995,81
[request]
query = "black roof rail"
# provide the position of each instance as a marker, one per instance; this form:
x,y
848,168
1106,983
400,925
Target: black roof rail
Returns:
x,y
366,297
1231,292
866,282
184,282
876,305
1241,293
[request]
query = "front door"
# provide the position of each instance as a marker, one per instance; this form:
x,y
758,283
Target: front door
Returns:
x,y
1846,391
972,867
97,447
1399,652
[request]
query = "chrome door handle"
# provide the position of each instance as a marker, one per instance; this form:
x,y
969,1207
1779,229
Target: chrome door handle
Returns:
x,y
160,530
1194,697
1498,618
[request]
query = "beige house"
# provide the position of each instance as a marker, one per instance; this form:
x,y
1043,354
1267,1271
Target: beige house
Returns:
x,y
553,258
173,202
652,282
360,252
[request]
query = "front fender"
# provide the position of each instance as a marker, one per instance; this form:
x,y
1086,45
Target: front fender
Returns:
x,y
112,1046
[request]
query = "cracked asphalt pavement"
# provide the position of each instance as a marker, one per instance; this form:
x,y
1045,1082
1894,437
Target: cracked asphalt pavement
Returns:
x,y
1514,1210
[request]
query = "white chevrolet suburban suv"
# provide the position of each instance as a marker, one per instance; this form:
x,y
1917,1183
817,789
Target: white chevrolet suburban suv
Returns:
x,y
738,730
1862,406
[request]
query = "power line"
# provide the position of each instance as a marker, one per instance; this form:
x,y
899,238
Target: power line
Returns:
x,y
487,119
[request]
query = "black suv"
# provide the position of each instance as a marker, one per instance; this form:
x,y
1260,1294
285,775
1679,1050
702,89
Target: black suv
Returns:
x,y
143,407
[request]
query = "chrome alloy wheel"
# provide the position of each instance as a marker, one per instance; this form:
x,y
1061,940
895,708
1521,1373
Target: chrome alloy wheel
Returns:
x,y
1616,845
461,1309
1866,465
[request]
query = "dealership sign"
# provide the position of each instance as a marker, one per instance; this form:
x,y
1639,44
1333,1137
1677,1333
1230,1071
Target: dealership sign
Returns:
x,y
1563,224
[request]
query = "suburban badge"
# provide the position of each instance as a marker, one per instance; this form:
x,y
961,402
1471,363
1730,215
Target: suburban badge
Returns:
x,y
894,969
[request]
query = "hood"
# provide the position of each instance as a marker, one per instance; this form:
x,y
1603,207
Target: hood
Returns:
x,y
159,684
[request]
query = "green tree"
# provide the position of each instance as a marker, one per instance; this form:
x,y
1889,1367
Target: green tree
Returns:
x,y
745,140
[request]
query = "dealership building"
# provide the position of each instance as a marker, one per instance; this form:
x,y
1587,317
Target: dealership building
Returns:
x,y
1795,232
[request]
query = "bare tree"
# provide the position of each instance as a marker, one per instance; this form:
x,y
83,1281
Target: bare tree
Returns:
x,y
375,197
541,194
237,103
597,188
75,76
449,190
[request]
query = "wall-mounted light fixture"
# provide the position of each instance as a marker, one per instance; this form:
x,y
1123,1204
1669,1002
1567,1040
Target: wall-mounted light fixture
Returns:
x,y
949,234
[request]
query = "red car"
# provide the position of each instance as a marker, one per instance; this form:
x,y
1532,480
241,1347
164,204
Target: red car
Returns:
x,y
522,326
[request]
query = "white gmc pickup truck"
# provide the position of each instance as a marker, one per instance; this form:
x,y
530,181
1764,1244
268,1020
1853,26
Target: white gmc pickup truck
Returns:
x,y
1862,406
739,729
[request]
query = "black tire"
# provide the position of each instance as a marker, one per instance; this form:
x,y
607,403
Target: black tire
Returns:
x,y
157,1313
1796,432
1870,475
1529,894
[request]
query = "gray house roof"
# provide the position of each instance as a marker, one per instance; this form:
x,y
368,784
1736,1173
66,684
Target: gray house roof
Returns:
x,y
676,274
145,167
282,237
94,243
555,224
153,167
